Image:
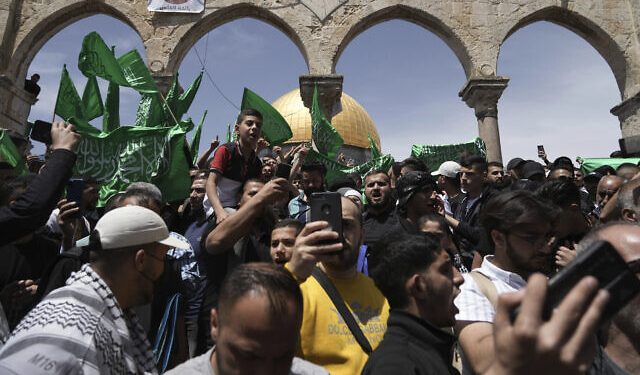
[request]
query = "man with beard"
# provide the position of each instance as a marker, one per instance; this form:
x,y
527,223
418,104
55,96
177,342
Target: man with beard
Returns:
x,y
312,182
623,336
417,276
283,237
243,237
495,175
326,339
417,196
380,211
88,326
519,227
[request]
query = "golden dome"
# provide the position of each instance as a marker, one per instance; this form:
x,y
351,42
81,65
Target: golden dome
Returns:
x,y
353,122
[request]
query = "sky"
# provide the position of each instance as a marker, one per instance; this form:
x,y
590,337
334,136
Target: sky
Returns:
x,y
408,79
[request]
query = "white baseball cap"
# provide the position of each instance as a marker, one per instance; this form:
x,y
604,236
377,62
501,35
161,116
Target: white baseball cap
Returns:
x,y
134,225
448,169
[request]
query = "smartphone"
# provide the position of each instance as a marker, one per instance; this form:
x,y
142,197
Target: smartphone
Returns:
x,y
41,132
283,170
540,149
327,207
603,262
75,188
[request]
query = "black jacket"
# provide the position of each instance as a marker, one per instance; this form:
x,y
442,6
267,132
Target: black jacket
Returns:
x,y
469,233
32,209
412,346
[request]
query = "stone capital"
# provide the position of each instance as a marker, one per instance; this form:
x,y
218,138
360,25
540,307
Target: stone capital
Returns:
x,y
482,94
329,92
15,105
163,81
627,107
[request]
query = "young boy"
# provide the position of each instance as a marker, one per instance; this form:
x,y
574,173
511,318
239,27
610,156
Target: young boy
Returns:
x,y
233,163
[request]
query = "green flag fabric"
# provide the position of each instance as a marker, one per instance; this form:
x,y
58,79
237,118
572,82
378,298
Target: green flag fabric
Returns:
x,y
9,153
170,101
130,154
186,98
96,59
588,165
92,100
194,147
228,137
275,128
434,155
336,170
111,116
150,111
375,153
68,103
136,73
325,137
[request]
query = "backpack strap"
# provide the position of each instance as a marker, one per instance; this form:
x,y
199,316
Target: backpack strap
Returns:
x,y
486,286
343,310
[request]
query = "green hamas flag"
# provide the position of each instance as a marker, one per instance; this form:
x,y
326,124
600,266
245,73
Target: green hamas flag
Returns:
x,y
186,98
130,154
96,59
111,117
434,155
68,103
275,128
337,170
588,165
325,137
194,147
9,153
136,73
92,100
150,112
375,153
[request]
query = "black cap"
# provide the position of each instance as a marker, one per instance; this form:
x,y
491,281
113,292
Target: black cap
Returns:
x,y
532,168
515,163
412,182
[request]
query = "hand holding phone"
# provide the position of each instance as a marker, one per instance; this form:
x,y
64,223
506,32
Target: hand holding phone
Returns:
x,y
327,207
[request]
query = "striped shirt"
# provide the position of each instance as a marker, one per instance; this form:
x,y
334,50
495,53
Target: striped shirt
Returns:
x,y
78,329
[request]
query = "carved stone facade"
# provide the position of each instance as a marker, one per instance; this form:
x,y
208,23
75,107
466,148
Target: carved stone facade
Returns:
x,y
321,29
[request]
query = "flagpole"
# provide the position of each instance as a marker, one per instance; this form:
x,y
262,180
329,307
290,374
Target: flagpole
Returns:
x,y
168,107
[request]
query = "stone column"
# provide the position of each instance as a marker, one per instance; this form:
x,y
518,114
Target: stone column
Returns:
x,y
329,92
15,105
482,95
628,112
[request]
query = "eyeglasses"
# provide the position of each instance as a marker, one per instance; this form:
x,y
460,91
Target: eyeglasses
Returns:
x,y
535,240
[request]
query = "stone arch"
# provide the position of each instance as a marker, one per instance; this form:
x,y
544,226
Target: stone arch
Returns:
x,y
590,31
410,14
225,15
59,15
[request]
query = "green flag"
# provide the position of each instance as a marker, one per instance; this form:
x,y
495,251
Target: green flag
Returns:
x,y
195,141
185,99
375,153
92,100
325,138
275,128
68,103
136,73
130,154
150,112
434,155
588,165
9,153
337,170
111,117
96,59
228,137
170,101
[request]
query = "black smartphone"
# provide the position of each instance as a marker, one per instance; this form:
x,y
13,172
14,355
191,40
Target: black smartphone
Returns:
x,y
41,132
603,262
75,188
283,170
540,149
327,207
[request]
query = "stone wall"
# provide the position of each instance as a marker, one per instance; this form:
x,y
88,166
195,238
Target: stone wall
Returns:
x,y
321,29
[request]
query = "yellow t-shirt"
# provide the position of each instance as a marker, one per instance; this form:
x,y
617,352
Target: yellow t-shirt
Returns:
x,y
325,338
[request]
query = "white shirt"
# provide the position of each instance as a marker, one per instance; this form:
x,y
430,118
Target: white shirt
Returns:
x,y
473,305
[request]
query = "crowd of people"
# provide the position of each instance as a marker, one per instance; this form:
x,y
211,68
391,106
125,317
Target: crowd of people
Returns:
x,y
423,272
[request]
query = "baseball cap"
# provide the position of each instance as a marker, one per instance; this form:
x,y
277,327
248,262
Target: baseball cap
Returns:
x,y
532,168
411,182
448,169
133,225
515,163
349,192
